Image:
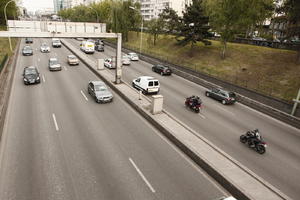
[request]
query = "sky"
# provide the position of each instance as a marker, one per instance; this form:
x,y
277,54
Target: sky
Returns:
x,y
33,5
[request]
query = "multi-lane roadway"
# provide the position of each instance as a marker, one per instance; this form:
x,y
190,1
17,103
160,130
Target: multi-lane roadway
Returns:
x,y
223,125
57,143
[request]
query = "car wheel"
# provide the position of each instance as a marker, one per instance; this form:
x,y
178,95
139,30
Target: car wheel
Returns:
x,y
223,102
133,85
207,94
144,92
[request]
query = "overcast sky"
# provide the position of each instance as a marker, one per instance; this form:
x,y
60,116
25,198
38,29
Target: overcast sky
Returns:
x,y
33,5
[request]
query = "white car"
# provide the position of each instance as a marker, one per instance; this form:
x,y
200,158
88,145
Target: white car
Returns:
x,y
133,56
108,63
45,48
125,60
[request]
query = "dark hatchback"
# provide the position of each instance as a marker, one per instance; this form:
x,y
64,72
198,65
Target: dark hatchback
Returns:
x,y
224,96
31,75
99,47
162,69
27,51
28,40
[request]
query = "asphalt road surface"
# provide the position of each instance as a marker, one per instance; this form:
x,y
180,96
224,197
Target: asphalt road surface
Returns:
x,y
223,125
58,144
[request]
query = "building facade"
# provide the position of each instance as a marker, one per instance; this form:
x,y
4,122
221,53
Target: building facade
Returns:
x,y
150,9
61,4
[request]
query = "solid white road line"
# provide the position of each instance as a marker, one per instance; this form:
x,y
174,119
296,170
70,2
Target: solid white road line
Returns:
x,y
84,95
43,77
55,122
142,175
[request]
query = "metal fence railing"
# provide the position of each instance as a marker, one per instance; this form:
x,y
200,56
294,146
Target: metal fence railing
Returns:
x,y
3,61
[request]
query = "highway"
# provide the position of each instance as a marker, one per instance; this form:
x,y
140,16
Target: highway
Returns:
x,y
57,143
223,125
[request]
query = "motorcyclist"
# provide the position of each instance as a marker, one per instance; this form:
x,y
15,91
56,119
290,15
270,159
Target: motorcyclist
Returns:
x,y
255,137
196,101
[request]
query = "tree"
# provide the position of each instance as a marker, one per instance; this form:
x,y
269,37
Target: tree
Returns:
x,y
194,25
229,17
171,19
291,8
155,27
11,11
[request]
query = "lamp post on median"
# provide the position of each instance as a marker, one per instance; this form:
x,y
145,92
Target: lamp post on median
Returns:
x,y
96,13
7,23
142,26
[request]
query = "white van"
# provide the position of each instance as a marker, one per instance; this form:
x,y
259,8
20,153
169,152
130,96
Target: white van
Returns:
x,y
87,46
56,42
146,84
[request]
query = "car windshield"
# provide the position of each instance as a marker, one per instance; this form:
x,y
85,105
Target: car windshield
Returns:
x,y
231,94
72,57
53,62
100,88
27,48
30,71
132,54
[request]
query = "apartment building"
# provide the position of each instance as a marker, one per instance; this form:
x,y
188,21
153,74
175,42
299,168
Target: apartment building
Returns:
x,y
150,9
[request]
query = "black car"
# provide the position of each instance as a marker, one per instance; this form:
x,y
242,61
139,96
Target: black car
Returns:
x,y
28,40
27,51
99,47
162,69
99,42
221,95
31,75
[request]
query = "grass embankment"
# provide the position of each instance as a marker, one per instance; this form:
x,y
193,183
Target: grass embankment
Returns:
x,y
4,45
269,71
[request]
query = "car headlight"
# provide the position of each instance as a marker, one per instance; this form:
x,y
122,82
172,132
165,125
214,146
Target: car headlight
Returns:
x,y
25,79
38,78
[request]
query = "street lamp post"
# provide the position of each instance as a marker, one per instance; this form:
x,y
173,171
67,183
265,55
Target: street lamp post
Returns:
x,y
142,27
7,23
96,13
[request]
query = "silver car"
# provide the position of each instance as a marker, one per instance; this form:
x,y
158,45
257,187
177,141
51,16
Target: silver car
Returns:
x,y
99,91
54,65
125,60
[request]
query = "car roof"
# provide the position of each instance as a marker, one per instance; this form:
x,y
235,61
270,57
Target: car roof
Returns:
x,y
131,53
98,83
147,77
53,59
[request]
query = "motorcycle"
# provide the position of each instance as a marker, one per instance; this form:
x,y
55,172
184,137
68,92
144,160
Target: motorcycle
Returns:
x,y
259,147
195,107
